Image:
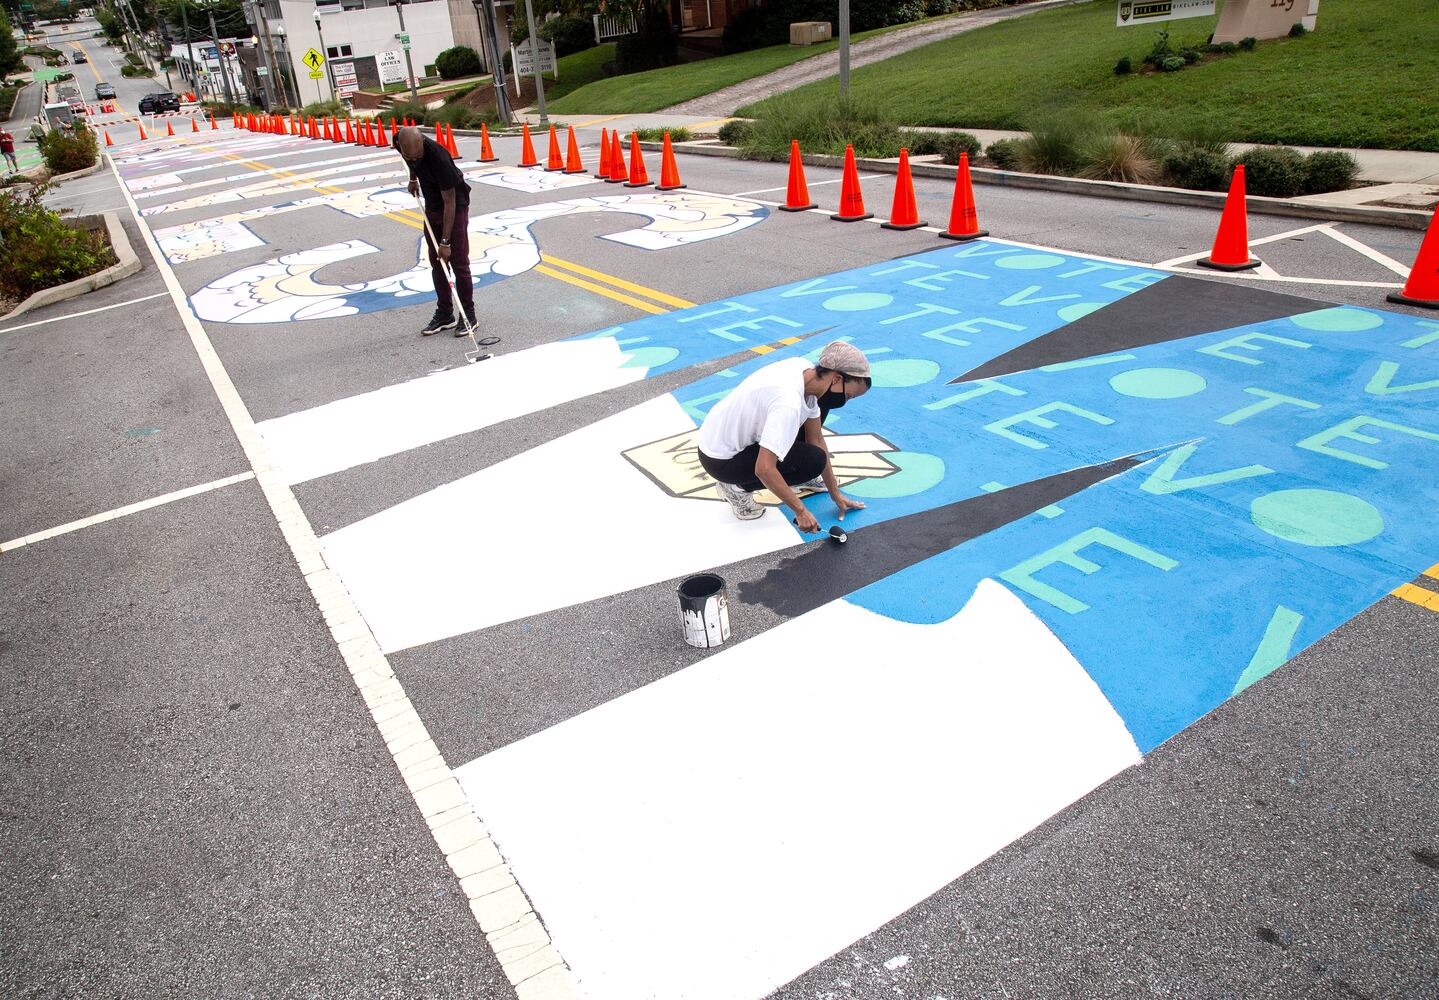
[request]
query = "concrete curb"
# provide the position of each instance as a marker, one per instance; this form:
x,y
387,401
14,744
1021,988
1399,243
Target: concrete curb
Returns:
x,y
93,168
1399,218
126,264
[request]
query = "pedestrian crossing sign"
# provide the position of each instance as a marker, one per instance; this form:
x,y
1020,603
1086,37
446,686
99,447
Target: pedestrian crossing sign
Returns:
x,y
313,59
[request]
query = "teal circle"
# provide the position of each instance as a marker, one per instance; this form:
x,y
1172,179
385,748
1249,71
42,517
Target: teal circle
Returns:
x,y
1341,319
901,373
1157,383
1079,310
857,301
1030,261
649,357
917,473
1322,518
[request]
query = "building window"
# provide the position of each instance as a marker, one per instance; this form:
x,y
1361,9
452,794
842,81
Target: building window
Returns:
x,y
339,51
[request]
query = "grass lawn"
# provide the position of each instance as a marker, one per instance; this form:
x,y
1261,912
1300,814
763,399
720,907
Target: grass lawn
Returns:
x,y
657,89
577,70
1365,78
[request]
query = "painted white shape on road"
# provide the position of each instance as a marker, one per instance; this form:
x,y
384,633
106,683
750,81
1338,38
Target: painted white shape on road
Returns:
x,y
396,562
374,425
719,832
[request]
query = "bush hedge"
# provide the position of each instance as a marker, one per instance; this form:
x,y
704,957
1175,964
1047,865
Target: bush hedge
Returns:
x,y
1273,172
66,152
38,249
1329,171
1004,153
1197,168
458,61
569,34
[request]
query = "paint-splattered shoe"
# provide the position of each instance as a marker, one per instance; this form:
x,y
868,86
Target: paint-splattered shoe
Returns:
x,y
440,321
742,502
816,484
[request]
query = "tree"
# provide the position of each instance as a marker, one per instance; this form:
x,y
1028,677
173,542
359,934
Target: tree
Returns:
x,y
10,58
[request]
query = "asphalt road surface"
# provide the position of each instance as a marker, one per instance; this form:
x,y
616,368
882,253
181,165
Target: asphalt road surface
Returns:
x,y
407,610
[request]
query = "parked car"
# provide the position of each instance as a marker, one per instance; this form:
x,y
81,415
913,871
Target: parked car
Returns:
x,y
105,91
154,104
79,57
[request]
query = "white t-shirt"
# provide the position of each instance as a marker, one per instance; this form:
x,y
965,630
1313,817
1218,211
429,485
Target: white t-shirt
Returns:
x,y
769,407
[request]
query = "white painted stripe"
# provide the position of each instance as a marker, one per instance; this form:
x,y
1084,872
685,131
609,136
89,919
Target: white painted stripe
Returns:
x,y
1190,258
751,815
814,184
87,312
499,906
119,512
1368,251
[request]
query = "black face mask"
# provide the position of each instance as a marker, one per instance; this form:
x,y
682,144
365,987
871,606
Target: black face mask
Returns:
x,y
833,400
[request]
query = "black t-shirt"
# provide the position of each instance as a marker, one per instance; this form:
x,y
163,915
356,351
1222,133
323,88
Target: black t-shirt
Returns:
x,y
436,172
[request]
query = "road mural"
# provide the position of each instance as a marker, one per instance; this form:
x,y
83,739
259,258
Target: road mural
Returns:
x,y
1103,499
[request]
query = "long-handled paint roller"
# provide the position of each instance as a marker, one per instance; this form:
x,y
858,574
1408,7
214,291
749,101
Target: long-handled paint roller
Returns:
x,y
470,356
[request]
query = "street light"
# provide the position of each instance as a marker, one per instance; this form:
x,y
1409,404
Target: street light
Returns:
x,y
329,75
405,42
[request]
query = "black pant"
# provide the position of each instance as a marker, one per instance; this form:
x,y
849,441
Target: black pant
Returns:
x,y
802,464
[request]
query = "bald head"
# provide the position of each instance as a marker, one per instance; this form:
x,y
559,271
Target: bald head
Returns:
x,y
411,142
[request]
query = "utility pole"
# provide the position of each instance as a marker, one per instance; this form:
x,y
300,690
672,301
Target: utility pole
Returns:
x,y
266,52
274,63
485,13
844,50
535,61
220,55
189,48
405,44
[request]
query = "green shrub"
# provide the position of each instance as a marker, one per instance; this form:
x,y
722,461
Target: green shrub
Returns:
x,y
461,60
130,70
1118,157
38,249
1197,168
65,152
1173,64
1161,50
921,142
656,44
1328,170
324,109
405,109
133,59
1273,171
1055,141
463,116
822,128
732,133
1190,55
955,143
1248,44
1123,67
678,133
569,34
1298,30
947,145
1228,48
1004,153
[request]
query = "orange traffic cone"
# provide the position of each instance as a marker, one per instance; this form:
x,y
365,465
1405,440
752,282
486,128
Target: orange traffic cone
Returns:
x,y
349,131
169,128
450,143
213,126
335,134
141,127
555,162
1422,288
903,213
487,155
603,170
573,163
1231,243
851,200
194,126
108,141
325,122
638,176
527,150
963,218
669,170
796,198
618,173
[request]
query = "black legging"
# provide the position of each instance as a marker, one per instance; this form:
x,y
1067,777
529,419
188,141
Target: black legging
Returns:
x,y
802,464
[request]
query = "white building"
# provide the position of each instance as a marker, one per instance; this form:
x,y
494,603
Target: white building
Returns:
x,y
358,33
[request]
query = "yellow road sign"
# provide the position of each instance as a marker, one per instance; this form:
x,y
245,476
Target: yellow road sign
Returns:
x,y
316,74
313,59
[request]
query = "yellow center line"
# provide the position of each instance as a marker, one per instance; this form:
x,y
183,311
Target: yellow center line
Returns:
x,y
601,121
570,279
1417,595
1433,571
717,121
610,279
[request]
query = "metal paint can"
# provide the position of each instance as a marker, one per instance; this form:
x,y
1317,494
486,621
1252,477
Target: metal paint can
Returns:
x,y
704,610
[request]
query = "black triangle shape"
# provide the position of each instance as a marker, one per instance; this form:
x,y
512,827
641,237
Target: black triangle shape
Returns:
x,y
1171,309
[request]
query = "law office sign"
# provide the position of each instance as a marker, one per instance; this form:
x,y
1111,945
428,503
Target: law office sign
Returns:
x,y
391,64
1132,12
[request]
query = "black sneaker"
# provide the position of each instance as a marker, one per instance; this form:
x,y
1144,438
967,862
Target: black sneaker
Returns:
x,y
440,321
464,326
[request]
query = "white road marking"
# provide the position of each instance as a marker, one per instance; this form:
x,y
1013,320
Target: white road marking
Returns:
x,y
717,833
1190,258
87,312
519,940
837,180
119,512
1368,251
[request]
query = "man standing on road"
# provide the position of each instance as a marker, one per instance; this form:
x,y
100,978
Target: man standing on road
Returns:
x,y
7,146
766,434
447,207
